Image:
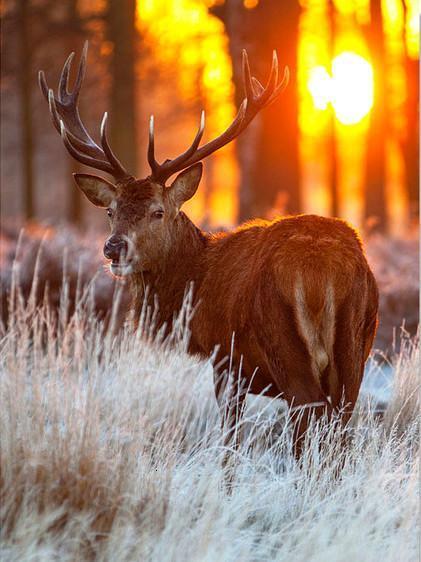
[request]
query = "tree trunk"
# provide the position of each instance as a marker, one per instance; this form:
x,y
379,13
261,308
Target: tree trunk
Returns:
x,y
25,83
75,195
121,32
411,143
331,140
268,150
375,196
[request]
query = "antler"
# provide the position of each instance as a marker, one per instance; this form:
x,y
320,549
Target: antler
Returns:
x,y
256,97
65,115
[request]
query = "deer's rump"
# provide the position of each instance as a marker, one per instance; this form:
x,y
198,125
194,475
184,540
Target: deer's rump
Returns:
x,y
296,295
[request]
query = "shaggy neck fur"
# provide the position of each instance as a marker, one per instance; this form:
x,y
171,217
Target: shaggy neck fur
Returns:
x,y
184,264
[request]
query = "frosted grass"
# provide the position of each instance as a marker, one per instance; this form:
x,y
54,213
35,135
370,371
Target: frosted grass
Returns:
x,y
112,450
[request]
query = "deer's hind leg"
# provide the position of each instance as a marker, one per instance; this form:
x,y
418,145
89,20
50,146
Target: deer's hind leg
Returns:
x,y
355,331
305,399
291,369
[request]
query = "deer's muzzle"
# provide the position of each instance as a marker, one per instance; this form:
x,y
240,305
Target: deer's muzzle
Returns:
x,y
116,248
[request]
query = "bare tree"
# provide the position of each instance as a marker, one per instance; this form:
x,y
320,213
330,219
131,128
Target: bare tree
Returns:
x,y
75,27
410,144
331,144
375,181
25,85
122,34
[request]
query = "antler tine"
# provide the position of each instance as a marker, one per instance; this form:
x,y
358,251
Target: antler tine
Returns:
x,y
247,79
81,145
80,156
53,110
63,85
257,86
256,97
43,84
111,157
81,71
199,134
151,148
272,80
65,115
65,106
165,170
281,86
193,147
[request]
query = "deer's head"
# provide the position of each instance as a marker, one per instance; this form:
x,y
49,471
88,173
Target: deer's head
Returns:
x,y
143,213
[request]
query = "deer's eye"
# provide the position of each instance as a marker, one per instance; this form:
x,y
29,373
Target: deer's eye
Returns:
x,y
158,214
109,212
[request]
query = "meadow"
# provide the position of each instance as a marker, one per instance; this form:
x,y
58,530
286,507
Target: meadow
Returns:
x,y
112,450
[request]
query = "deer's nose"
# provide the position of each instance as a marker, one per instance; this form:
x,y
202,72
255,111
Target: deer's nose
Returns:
x,y
115,248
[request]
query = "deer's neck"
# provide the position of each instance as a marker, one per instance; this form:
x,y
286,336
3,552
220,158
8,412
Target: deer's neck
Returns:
x,y
183,265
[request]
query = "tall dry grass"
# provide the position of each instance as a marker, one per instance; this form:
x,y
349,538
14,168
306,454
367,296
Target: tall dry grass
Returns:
x,y
112,450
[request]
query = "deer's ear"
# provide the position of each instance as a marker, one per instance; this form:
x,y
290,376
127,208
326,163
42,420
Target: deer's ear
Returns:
x,y
98,190
185,184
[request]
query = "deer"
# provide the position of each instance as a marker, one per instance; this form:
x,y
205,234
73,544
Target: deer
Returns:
x,y
295,294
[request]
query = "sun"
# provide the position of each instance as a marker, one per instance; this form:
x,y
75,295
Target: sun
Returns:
x,y
350,87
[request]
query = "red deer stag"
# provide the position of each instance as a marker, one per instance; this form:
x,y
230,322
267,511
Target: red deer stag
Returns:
x,y
297,292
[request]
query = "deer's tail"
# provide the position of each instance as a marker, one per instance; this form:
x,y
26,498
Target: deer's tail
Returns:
x,y
315,312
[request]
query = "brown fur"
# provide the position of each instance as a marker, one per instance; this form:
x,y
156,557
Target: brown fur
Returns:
x,y
245,283
296,293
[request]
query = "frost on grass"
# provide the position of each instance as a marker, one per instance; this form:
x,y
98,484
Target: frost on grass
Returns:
x,y
396,266
111,449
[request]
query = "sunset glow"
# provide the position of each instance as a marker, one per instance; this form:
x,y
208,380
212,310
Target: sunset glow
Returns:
x,y
190,45
191,48
349,89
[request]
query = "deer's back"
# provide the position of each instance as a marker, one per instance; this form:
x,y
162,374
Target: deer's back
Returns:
x,y
265,265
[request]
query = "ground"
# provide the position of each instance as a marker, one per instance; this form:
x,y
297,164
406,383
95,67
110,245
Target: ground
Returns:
x,y
112,450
